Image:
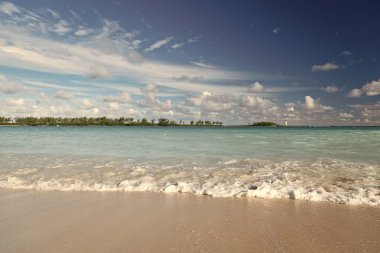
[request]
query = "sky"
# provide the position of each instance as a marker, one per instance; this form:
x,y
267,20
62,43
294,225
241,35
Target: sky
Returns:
x,y
307,62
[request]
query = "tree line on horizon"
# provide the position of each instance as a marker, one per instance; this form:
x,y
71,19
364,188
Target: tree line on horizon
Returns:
x,y
102,121
264,124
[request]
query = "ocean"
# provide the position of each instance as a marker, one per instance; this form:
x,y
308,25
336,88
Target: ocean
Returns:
x,y
331,164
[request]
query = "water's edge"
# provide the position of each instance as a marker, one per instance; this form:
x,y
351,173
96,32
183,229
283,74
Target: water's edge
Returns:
x,y
333,181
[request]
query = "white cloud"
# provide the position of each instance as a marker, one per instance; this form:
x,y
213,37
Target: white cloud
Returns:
x,y
212,103
114,106
54,14
122,98
9,8
354,93
197,101
255,102
177,45
290,107
150,96
133,57
309,102
193,40
15,102
372,88
203,65
345,115
87,104
167,105
39,84
9,86
82,32
346,53
256,88
189,41
39,53
65,95
99,72
62,27
110,47
150,101
325,67
369,89
369,114
149,88
158,44
314,105
330,89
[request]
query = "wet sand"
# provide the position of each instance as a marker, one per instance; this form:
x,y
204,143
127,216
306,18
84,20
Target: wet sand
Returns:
x,y
36,221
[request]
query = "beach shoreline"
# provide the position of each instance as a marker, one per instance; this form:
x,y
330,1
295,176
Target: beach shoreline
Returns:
x,y
51,221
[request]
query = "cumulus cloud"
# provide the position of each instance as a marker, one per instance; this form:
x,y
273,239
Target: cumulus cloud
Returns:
x,y
122,98
256,88
99,72
167,105
212,103
369,89
255,102
314,105
325,67
24,44
65,95
330,89
15,102
9,8
290,107
369,113
150,96
156,106
158,44
8,86
345,115
87,104
310,102
372,88
114,106
229,107
354,93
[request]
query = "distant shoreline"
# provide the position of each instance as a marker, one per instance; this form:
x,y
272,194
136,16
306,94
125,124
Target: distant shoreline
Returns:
x,y
174,126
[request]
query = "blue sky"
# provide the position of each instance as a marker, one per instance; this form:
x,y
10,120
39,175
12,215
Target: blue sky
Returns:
x,y
310,62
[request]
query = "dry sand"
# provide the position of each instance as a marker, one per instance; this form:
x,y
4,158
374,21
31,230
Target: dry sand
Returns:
x,y
32,221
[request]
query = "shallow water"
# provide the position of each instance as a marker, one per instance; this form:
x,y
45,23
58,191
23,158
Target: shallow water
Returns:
x,y
319,164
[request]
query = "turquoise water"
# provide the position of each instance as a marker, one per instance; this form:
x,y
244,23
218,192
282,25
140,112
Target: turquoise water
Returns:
x,y
355,144
223,161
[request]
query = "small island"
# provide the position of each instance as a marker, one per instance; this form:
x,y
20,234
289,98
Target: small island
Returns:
x,y
265,124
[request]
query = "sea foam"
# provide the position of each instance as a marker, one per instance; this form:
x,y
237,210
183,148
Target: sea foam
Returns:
x,y
326,180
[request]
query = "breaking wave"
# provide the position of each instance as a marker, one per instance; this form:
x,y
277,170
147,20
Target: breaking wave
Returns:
x,y
325,180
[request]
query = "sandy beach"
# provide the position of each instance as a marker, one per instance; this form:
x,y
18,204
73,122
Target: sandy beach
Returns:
x,y
38,221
